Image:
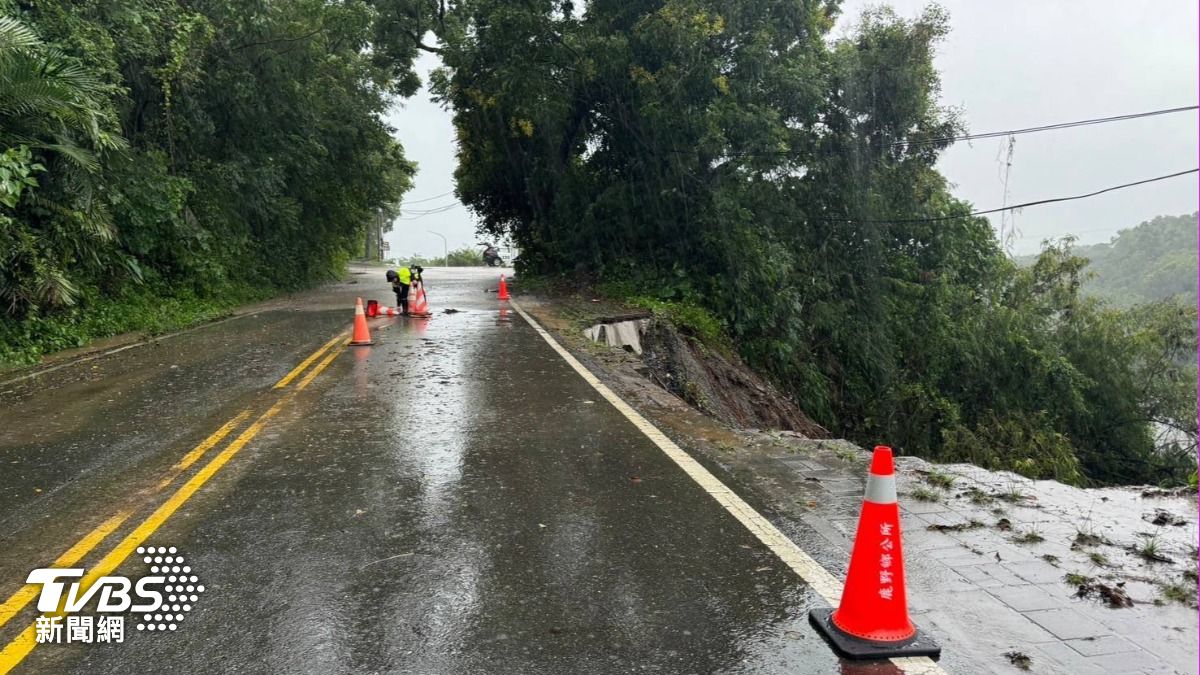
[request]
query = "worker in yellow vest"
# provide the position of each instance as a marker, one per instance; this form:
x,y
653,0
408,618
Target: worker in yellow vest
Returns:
x,y
401,280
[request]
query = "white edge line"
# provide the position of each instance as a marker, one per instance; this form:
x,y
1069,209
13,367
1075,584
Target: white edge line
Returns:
x,y
821,581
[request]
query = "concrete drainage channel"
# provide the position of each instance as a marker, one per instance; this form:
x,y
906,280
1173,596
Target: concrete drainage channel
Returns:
x,y
626,334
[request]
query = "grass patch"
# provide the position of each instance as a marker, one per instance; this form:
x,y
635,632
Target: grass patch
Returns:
x,y
1086,537
938,479
1050,558
1030,536
1012,495
846,454
924,494
1176,592
1098,559
1149,550
1076,579
979,497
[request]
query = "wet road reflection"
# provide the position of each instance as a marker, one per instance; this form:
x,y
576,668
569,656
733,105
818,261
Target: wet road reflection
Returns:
x,y
454,499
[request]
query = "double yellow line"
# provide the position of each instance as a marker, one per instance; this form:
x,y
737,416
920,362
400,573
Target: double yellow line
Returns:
x,y
25,642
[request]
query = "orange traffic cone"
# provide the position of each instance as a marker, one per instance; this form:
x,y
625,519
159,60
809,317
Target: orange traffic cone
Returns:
x,y
419,307
872,620
503,289
362,336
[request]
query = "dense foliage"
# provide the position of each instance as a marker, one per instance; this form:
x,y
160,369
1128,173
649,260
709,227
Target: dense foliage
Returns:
x,y
1154,261
203,152
730,156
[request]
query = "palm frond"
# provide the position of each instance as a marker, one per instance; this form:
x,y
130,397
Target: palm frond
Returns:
x,y
54,288
80,156
15,35
32,83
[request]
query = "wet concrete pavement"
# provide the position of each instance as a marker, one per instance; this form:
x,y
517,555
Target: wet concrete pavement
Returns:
x,y
1010,574
452,499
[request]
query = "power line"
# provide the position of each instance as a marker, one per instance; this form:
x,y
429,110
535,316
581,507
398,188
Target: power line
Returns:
x,y
989,134
427,199
1039,202
417,215
1048,127
432,209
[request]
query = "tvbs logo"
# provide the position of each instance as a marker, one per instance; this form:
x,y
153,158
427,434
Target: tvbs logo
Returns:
x,y
161,598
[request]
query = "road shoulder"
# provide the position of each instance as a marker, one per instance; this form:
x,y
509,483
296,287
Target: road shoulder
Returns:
x,y
977,578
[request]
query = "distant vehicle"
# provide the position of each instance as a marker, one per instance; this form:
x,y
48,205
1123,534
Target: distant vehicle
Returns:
x,y
491,256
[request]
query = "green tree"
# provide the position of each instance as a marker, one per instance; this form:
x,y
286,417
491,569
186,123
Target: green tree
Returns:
x,y
730,156
52,122
256,154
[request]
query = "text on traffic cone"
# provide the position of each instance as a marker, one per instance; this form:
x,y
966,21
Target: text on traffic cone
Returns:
x,y
874,604
872,619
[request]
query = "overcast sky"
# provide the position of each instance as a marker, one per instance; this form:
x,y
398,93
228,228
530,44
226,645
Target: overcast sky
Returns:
x,y
1008,65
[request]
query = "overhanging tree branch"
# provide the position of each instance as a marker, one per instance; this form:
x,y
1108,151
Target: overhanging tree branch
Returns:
x,y
421,45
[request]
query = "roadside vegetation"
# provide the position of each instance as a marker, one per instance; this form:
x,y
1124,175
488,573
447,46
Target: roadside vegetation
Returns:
x,y
461,257
738,166
1152,262
163,162
734,166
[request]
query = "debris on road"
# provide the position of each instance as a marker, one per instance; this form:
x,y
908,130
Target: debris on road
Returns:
x,y
1115,595
1019,659
813,483
956,527
1164,517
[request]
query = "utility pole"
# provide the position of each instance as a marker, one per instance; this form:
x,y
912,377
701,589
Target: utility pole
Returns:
x,y
445,249
379,220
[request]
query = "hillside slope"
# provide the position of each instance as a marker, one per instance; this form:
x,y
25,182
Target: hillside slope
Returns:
x,y
1153,261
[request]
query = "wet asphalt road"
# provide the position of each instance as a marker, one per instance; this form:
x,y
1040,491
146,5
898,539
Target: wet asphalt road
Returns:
x,y
453,499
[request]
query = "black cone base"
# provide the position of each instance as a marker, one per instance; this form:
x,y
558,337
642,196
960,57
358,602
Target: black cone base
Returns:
x,y
857,648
